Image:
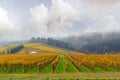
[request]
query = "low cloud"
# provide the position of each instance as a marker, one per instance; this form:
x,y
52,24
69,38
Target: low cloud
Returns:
x,y
105,24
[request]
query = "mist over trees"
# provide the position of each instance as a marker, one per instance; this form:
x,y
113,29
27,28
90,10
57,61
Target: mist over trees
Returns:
x,y
112,46
96,43
52,42
87,43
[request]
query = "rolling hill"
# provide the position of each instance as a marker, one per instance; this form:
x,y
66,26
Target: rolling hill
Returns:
x,y
32,47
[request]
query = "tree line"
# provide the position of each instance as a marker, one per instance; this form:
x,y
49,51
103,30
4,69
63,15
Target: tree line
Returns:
x,y
85,46
11,49
53,42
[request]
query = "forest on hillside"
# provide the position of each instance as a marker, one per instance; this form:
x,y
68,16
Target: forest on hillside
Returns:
x,y
92,43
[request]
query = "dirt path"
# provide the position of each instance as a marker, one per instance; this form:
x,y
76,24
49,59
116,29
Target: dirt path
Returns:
x,y
81,75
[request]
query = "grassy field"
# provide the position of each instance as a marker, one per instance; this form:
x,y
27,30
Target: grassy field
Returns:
x,y
80,76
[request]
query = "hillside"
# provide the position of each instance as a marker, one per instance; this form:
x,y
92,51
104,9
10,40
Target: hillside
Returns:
x,y
41,48
32,47
95,42
87,43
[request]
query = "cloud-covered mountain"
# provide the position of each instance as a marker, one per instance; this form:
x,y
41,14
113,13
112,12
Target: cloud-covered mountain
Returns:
x,y
96,42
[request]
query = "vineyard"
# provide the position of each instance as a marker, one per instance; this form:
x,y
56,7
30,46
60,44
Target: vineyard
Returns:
x,y
12,63
50,60
93,61
66,63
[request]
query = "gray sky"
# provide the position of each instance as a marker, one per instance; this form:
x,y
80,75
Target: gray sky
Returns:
x,y
23,19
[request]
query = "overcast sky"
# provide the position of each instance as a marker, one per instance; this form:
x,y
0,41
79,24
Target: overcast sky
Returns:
x,y
23,19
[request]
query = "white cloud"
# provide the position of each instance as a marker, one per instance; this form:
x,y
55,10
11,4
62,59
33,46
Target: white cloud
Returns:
x,y
105,24
53,21
8,30
3,17
39,19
